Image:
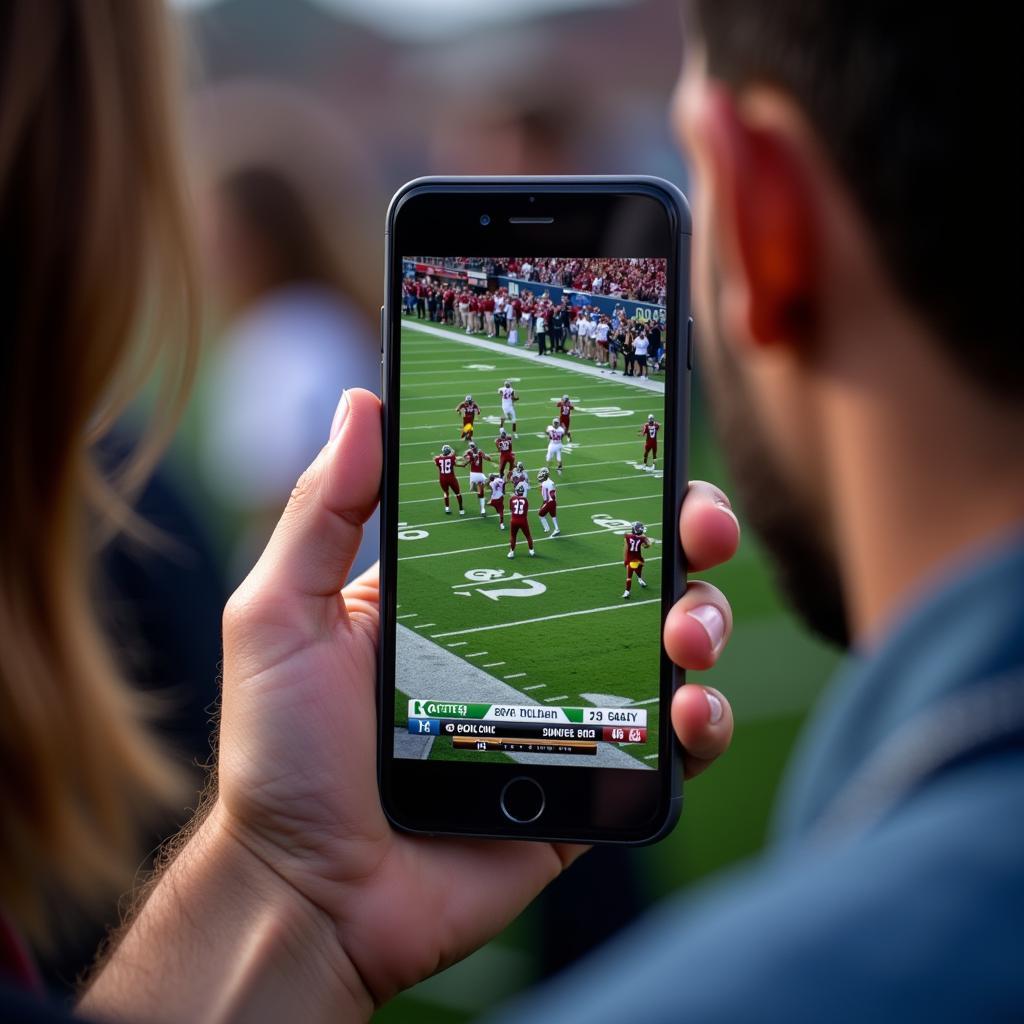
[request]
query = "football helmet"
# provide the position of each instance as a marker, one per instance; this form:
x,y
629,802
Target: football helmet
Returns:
x,y
502,432
519,467
639,529
472,446
543,474
446,449
507,384
469,398
520,490
556,422
650,419
565,398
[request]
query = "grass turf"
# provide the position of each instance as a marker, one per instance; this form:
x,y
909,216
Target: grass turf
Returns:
x,y
555,626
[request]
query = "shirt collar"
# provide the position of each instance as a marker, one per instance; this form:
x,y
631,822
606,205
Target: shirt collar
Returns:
x,y
967,625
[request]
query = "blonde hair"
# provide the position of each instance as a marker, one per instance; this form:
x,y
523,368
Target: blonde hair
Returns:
x,y
97,289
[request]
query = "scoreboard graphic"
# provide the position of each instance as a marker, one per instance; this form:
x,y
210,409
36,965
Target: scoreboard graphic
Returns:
x,y
527,728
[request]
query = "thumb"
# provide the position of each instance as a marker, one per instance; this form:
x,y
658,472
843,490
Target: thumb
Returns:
x,y
311,551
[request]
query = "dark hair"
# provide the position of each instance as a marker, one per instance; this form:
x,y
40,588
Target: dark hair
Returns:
x,y
918,106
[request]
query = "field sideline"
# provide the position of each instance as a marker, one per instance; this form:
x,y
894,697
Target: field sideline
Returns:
x,y
554,627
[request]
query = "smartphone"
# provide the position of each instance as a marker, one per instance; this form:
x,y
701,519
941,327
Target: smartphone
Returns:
x,y
535,354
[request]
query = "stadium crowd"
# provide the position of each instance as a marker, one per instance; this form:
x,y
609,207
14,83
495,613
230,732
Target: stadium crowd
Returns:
x,y
641,280
536,321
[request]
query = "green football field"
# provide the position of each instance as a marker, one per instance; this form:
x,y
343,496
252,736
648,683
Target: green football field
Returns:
x,y
554,627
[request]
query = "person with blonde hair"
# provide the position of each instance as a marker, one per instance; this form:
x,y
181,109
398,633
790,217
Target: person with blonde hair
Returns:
x,y
287,895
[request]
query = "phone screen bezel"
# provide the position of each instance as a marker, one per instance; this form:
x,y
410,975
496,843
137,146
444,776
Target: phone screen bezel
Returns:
x,y
589,217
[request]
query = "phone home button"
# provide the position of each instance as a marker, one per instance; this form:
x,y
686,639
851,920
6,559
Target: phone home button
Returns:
x,y
522,800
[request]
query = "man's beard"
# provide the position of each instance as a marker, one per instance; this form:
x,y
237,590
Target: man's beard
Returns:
x,y
806,570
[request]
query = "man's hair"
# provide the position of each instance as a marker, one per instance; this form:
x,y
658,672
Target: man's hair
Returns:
x,y
917,104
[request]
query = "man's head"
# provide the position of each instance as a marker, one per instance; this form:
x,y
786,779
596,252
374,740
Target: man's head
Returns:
x,y
855,248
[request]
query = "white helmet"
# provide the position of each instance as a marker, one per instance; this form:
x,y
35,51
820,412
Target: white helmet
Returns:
x,y
508,384
520,490
472,446
519,466
639,529
556,422
565,398
543,474
650,419
469,398
502,432
446,449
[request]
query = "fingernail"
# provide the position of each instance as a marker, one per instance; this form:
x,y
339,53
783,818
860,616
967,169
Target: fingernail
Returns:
x,y
715,706
339,416
722,503
713,623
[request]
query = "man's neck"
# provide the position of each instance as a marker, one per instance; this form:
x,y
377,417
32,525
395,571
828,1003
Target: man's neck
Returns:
x,y
925,467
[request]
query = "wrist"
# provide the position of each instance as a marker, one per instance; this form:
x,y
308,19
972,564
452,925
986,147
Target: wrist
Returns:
x,y
224,937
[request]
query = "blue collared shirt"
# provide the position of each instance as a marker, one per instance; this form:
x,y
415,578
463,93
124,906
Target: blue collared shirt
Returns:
x,y
904,903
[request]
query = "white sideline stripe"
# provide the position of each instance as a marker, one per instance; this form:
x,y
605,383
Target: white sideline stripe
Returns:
x,y
641,703
638,475
512,353
544,618
579,504
551,572
536,686
551,700
489,547
514,675
408,615
491,664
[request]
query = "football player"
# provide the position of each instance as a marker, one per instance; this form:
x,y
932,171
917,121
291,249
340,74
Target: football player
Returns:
x,y
504,445
548,503
519,476
508,397
474,458
649,432
496,482
469,411
565,408
633,556
555,434
518,506
445,463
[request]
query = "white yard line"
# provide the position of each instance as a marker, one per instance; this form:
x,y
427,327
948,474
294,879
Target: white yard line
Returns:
x,y
554,572
545,618
433,481
641,383
579,504
461,643
531,434
408,615
491,664
650,757
551,700
641,703
489,547
531,451
423,625
536,686
638,475
514,675
475,654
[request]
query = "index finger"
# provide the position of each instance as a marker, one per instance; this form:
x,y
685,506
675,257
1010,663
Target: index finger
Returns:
x,y
708,528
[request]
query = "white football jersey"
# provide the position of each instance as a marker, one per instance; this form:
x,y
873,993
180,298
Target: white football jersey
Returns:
x,y
506,393
497,488
547,489
556,434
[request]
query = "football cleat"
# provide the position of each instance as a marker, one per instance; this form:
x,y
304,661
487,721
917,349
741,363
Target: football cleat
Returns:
x,y
501,526
462,511
557,531
511,554
625,594
641,581
447,511
639,528
532,553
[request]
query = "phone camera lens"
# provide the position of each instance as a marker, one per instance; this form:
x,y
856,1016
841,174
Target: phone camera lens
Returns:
x,y
485,219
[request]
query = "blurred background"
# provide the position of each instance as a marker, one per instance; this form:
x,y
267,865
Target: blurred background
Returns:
x,y
304,118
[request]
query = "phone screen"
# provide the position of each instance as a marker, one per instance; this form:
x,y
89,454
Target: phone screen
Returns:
x,y
530,498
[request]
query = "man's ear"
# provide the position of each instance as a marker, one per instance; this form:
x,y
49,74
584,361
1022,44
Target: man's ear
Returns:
x,y
764,226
